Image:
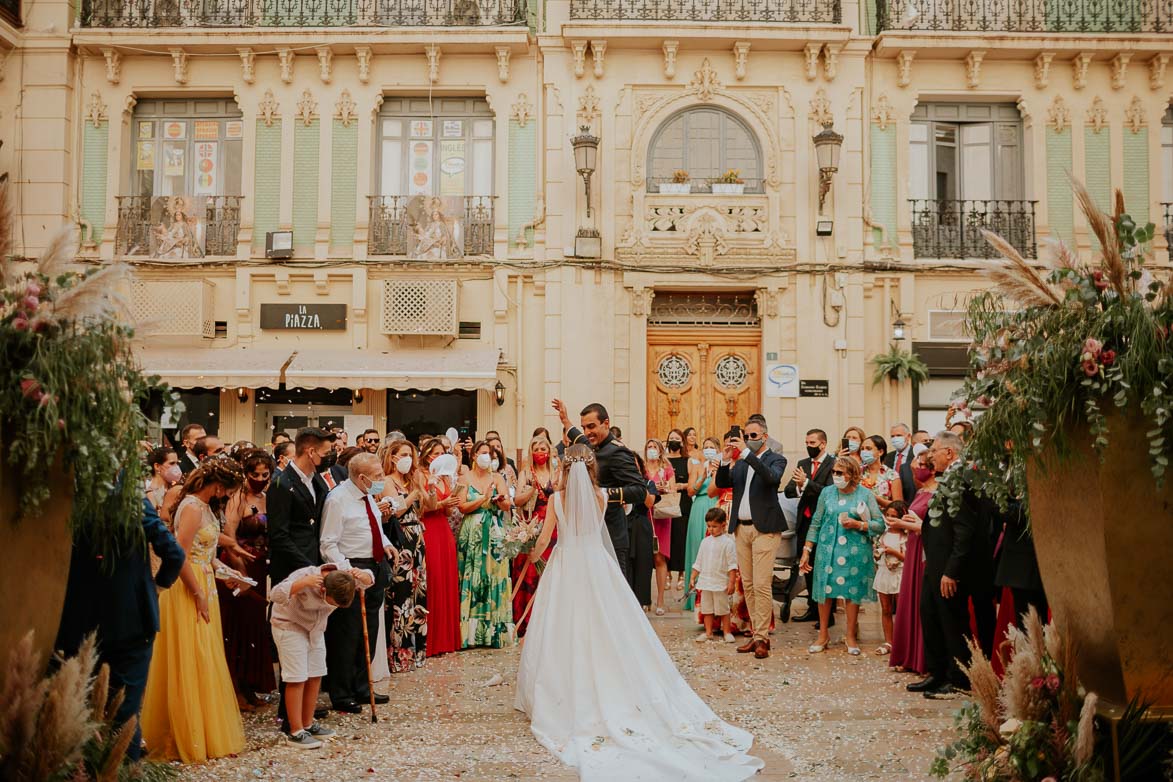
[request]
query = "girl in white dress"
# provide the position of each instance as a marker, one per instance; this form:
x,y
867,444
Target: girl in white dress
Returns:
x,y
600,690
890,548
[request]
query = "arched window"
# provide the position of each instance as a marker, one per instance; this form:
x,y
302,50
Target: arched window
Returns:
x,y
706,143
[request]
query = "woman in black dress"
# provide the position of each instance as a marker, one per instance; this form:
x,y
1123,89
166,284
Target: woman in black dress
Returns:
x,y
678,457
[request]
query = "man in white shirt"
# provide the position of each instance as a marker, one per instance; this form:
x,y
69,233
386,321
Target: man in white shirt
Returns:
x,y
353,537
899,458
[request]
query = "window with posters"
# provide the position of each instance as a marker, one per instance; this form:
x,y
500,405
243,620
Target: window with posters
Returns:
x,y
439,147
186,147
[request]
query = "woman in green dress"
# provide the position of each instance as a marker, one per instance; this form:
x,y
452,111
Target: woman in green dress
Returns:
x,y
844,523
704,496
486,600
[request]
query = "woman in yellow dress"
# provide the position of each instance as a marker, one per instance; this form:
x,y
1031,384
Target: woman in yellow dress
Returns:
x,y
189,710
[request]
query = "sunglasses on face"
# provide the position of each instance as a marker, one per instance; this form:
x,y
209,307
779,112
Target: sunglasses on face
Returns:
x,y
839,472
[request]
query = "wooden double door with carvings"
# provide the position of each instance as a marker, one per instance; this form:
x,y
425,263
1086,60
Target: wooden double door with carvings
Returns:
x,y
709,378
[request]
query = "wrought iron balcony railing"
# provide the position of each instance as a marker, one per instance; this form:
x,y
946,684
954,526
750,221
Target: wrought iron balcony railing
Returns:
x,y
394,226
947,228
1027,16
140,233
1168,207
792,11
301,13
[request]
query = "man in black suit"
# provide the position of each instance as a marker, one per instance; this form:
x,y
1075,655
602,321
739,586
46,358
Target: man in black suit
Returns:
x,y
294,502
619,474
958,565
188,460
812,476
118,600
899,458
753,471
1018,565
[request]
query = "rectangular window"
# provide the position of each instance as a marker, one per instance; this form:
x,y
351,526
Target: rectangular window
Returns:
x,y
442,147
186,147
1167,156
965,152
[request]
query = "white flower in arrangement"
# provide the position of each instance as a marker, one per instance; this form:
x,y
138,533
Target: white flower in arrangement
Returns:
x,y
1010,727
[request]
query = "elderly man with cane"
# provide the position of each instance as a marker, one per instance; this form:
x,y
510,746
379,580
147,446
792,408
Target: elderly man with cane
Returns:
x,y
352,537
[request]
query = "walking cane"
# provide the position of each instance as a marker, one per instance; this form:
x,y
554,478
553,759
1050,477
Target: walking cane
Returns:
x,y
366,648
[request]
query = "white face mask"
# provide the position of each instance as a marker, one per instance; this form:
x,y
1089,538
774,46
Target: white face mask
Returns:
x,y
653,454
711,454
403,465
840,481
496,465
484,461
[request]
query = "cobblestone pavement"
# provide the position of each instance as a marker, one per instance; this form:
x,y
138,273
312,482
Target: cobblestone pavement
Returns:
x,y
822,717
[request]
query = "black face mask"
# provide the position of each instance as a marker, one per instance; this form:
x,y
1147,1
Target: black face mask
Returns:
x,y
327,462
813,452
674,446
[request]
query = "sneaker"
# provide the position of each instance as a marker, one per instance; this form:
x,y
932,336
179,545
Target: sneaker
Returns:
x,y
700,639
303,740
729,639
319,731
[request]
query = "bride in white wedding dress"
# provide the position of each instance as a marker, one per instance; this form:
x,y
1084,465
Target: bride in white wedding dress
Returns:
x,y
600,690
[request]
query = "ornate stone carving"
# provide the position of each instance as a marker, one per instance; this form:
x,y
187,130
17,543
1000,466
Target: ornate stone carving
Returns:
x,y
882,113
1120,70
1079,69
705,82
811,56
96,110
598,47
307,107
740,59
1157,71
904,67
325,63
765,103
553,99
1097,115
1043,69
285,58
973,68
378,105
248,61
704,234
363,55
267,108
1058,115
820,108
345,109
578,48
588,106
432,52
831,61
735,218
179,65
773,177
644,103
128,107
113,65
522,110
670,49
503,53
1024,110
767,300
1134,115
641,301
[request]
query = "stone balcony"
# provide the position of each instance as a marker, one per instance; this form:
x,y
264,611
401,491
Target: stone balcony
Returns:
x,y
299,13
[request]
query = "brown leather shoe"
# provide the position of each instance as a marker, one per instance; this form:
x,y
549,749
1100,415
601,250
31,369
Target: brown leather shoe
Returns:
x,y
747,647
761,650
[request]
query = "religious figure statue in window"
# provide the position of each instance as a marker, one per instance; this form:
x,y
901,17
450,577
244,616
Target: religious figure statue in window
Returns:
x,y
436,237
177,227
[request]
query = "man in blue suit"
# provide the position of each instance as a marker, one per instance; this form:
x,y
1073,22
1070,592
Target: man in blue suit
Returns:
x,y
117,600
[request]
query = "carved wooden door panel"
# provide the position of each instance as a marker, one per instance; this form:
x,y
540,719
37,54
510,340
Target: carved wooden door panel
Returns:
x,y
674,375
707,379
734,386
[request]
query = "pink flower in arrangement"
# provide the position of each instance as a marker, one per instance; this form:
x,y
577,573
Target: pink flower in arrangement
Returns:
x,y
31,389
20,323
1038,683
61,424
1093,346
33,289
1090,367
1099,280
1108,357
39,325
1053,682
31,303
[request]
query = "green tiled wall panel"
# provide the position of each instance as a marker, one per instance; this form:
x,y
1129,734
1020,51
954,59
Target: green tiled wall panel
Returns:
x,y
93,178
1097,166
343,184
523,173
267,185
883,185
306,146
1136,174
1060,201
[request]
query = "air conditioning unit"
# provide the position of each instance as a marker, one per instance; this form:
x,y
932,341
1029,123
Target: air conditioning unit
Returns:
x,y
180,308
421,307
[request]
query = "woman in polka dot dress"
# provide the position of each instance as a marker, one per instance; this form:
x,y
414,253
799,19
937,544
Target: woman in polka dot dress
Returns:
x,y
841,531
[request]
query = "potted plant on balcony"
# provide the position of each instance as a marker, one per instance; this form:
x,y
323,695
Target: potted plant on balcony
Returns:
x,y
729,183
70,426
898,366
680,184
1074,365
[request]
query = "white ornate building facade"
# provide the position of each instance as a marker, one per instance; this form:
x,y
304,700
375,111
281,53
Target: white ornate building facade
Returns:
x,y
370,210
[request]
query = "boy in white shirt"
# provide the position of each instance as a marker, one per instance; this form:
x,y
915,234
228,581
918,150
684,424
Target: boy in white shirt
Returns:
x,y
301,604
714,575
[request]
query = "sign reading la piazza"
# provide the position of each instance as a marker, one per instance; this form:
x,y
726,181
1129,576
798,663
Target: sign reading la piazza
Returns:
x,y
304,317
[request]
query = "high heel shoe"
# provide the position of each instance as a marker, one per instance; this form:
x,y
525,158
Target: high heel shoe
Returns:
x,y
816,648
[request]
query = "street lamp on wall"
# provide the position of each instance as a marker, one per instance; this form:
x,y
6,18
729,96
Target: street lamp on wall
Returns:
x,y
499,393
827,146
586,155
898,329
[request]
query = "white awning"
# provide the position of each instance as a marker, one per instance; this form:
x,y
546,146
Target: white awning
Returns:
x,y
241,366
442,369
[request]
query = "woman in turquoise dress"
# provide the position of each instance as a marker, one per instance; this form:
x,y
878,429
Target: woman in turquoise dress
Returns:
x,y
843,566
700,482
486,600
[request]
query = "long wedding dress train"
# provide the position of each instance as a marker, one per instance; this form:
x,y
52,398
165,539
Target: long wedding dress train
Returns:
x,y
601,692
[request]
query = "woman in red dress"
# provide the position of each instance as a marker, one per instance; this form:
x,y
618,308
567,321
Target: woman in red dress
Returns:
x,y
908,645
440,557
537,481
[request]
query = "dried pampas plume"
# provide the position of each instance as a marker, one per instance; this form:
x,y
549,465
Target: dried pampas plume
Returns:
x,y
1085,737
985,686
1015,277
1104,227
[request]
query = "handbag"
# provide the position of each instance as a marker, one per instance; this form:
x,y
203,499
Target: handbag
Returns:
x,y
668,507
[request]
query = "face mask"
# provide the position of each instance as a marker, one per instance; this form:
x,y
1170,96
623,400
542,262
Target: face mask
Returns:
x,y
711,454
674,445
172,474
327,462
922,474
853,445
867,457
377,487
403,465
898,443
484,461
653,454
840,481
541,458
495,465
257,486
813,452
755,443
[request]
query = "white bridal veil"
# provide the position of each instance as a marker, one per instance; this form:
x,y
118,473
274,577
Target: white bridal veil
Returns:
x,y
583,517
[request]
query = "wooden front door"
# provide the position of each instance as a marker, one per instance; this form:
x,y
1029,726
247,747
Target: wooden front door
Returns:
x,y
707,378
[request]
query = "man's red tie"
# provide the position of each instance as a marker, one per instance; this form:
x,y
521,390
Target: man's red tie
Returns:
x,y
329,479
377,552
899,460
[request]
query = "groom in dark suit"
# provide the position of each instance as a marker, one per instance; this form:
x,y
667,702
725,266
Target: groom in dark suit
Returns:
x,y
619,473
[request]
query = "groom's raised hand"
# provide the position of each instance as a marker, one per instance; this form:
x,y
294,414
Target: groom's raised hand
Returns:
x,y
560,408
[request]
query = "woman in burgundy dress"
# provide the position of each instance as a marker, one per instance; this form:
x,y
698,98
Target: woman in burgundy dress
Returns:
x,y
440,554
247,641
538,480
908,645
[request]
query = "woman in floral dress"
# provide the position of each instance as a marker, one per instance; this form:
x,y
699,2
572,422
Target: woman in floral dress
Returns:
x,y
406,605
883,481
538,480
486,600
